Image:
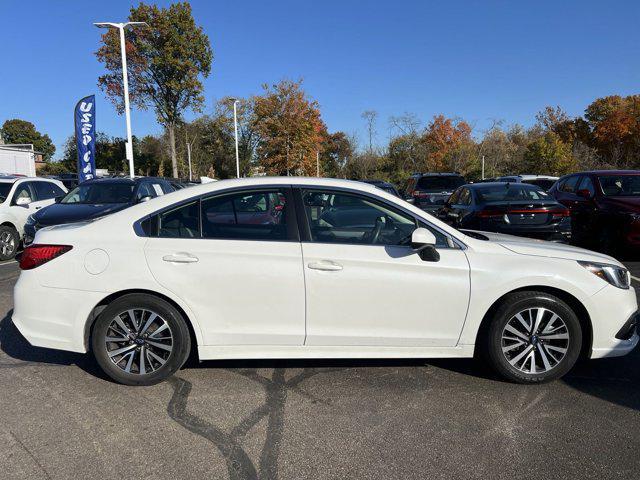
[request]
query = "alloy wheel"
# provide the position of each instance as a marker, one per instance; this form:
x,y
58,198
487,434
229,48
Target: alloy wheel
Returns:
x,y
7,244
535,340
139,341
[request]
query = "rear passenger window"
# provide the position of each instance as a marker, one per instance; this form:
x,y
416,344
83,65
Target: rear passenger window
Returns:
x,y
180,222
47,190
260,215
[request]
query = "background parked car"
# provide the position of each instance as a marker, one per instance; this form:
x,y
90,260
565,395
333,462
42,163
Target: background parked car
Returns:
x,y
512,208
429,191
543,181
386,186
604,206
20,197
96,198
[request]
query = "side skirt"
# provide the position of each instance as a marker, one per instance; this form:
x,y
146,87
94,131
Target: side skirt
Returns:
x,y
215,352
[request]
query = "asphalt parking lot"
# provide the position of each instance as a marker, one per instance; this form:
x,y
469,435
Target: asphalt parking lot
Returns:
x,y
61,418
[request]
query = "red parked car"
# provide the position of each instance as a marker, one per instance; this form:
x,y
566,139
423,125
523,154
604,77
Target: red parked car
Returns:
x,y
605,207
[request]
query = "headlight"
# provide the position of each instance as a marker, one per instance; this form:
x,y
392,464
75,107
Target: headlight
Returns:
x,y
31,220
616,276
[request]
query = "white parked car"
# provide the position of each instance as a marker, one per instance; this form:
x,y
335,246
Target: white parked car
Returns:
x,y
313,268
19,198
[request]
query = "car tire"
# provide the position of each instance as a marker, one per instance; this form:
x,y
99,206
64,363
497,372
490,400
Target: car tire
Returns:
x,y
512,336
9,241
143,349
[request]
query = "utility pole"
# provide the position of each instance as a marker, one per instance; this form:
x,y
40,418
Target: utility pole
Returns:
x,y
186,139
318,163
482,167
235,129
125,82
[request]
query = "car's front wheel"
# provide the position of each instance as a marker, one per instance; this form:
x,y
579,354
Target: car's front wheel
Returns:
x,y
140,339
533,337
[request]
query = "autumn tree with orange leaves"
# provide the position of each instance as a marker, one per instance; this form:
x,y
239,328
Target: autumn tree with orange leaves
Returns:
x,y
446,140
290,129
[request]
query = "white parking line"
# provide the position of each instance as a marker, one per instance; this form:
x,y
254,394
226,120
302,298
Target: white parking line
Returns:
x,y
635,278
10,262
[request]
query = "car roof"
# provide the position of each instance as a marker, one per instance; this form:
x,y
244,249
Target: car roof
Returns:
x,y
607,172
437,174
15,178
129,180
498,184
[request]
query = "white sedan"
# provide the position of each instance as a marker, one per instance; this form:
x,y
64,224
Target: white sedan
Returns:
x,y
313,268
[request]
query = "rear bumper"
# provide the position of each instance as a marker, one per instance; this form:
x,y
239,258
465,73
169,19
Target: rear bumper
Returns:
x,y
46,321
560,231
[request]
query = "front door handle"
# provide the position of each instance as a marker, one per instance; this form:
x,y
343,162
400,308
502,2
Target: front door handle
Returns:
x,y
325,265
180,258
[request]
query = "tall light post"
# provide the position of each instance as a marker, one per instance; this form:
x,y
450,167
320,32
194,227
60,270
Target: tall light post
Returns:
x,y
235,128
125,81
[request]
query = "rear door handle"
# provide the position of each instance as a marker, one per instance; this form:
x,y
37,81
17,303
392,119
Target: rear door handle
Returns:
x,y
325,265
180,258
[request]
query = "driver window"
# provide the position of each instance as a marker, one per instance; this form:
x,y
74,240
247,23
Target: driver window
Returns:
x,y
336,217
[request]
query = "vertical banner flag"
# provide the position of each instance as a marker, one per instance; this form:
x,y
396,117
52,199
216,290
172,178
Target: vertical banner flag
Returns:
x,y
85,127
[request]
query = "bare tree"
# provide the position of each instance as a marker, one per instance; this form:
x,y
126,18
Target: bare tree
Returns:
x,y
370,117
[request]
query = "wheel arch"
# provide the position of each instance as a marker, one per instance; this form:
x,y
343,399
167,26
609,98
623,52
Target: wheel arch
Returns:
x,y
7,223
95,312
575,304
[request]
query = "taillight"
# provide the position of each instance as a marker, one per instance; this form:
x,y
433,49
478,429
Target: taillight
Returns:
x,y
560,213
490,213
35,255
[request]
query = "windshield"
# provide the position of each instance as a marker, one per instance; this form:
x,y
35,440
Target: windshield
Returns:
x,y
440,184
510,193
99,193
5,188
620,185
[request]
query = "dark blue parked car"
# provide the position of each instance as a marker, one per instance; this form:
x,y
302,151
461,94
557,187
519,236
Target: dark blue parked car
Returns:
x,y
94,199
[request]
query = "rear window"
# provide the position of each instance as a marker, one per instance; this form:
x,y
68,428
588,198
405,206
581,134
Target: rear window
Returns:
x,y
439,184
510,193
544,184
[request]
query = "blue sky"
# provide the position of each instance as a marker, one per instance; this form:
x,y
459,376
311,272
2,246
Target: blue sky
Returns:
x,y
476,60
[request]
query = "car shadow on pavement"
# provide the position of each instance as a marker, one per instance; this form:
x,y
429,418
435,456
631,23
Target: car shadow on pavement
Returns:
x,y
16,352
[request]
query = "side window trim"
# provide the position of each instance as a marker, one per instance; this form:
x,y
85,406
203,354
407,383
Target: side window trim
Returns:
x,y
305,230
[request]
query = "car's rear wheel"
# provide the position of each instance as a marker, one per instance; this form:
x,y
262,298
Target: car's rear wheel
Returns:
x,y
140,339
534,337
9,241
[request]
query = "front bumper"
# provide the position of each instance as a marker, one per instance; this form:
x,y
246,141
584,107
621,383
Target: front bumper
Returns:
x,y
611,310
29,234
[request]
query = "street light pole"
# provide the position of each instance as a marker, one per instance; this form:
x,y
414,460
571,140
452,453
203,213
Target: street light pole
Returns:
x,y
125,82
235,128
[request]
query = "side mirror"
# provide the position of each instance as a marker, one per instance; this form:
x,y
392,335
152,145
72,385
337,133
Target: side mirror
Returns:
x,y
59,198
423,242
23,201
584,193
144,199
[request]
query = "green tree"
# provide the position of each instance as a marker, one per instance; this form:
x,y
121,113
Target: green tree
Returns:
x,y
21,131
165,62
549,155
